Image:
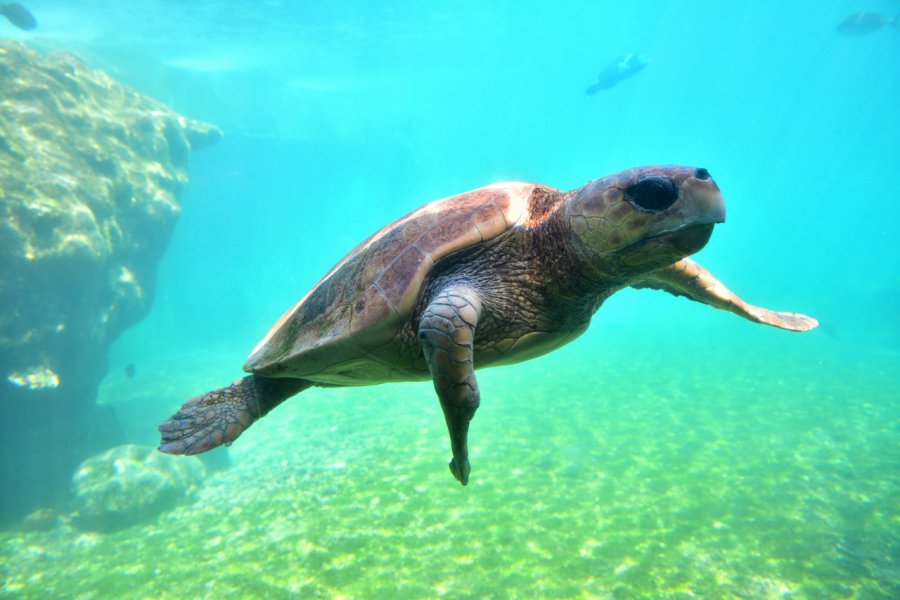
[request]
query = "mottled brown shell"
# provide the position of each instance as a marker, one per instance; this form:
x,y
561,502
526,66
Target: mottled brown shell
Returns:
x,y
360,304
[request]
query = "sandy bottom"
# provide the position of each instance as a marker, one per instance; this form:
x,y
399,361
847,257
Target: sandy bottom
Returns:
x,y
646,468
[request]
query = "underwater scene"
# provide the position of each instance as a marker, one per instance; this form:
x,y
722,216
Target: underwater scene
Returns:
x,y
192,189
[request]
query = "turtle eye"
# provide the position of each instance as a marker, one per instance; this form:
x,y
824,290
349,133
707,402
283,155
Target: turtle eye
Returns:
x,y
652,194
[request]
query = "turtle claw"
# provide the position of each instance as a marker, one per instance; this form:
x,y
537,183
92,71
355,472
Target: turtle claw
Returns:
x,y
460,469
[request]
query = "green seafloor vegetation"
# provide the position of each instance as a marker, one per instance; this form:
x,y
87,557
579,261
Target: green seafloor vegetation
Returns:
x,y
647,467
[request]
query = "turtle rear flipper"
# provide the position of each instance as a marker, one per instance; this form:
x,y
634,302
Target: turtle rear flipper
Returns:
x,y
220,416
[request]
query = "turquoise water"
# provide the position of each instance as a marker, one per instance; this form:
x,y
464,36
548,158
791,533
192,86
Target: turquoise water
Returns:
x,y
673,451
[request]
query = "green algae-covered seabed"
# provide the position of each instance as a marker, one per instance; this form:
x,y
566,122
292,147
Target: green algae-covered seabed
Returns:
x,y
643,467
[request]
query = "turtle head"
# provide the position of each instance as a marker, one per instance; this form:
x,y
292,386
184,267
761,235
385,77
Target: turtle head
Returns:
x,y
645,218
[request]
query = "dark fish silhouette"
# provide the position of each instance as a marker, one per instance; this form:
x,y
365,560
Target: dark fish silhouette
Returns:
x,y
864,23
18,15
129,370
622,68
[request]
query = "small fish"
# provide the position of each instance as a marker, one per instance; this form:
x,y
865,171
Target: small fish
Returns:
x,y
129,370
18,15
623,67
864,23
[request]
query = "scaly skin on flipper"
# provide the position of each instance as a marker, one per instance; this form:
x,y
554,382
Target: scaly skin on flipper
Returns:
x,y
687,278
220,416
447,335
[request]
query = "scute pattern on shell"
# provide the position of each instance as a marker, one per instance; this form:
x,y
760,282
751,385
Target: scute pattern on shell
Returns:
x,y
362,301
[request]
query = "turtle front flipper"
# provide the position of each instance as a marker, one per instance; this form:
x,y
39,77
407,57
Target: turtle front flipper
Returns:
x,y
220,416
687,278
447,336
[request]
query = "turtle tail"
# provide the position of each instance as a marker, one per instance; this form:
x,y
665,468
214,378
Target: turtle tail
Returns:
x,y
220,416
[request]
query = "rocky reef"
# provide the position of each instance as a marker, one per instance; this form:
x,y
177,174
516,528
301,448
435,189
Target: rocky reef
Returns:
x,y
90,176
130,484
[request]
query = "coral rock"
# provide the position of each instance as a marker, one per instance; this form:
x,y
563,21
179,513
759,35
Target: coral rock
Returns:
x,y
90,174
130,484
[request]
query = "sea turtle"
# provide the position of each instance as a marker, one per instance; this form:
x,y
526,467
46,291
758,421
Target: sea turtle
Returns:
x,y
493,276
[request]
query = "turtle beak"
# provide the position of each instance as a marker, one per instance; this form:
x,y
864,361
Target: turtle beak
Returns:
x,y
688,224
702,199
691,238
701,207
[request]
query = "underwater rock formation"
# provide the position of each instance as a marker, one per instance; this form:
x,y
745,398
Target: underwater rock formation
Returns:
x,y
131,484
90,174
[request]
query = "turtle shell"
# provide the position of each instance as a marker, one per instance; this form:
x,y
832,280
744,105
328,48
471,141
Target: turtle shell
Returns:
x,y
360,304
